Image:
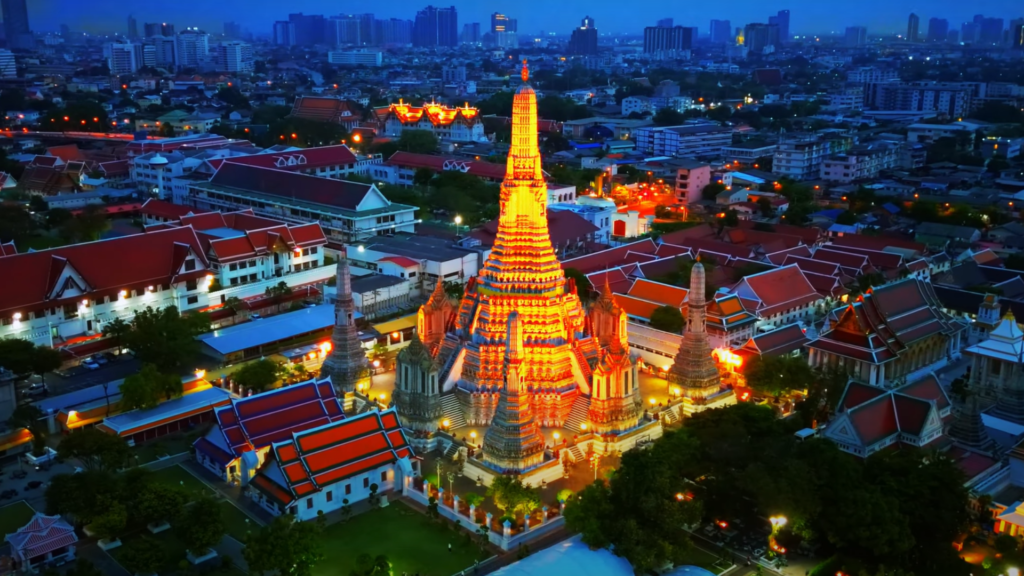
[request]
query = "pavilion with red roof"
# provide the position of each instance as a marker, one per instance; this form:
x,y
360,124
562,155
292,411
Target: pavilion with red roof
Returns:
x,y
238,444
319,469
44,540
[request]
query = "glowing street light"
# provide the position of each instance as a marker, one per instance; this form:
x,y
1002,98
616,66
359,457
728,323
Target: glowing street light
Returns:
x,y
458,222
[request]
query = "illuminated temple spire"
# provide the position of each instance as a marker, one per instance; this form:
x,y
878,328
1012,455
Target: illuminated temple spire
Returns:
x,y
694,369
347,364
513,442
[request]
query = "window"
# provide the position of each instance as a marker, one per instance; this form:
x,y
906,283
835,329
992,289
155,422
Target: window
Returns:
x,y
305,251
330,496
190,264
366,482
309,503
191,285
313,250
193,300
233,267
348,488
384,476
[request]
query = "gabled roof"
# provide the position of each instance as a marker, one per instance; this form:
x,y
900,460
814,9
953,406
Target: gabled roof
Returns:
x,y
41,535
106,267
879,243
325,109
824,268
260,420
778,342
611,258
284,184
778,258
844,259
663,294
162,209
777,290
400,261
877,258
929,389
479,168
316,458
294,160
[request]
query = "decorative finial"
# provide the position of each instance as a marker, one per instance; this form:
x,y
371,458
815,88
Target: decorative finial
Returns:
x,y
526,71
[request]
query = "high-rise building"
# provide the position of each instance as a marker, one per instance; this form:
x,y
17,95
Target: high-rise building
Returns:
x,y
395,31
990,31
1017,34
583,41
436,27
665,23
193,46
502,23
781,19
133,28
164,51
19,35
721,32
284,33
235,57
913,27
232,29
159,29
938,29
121,58
970,32
758,36
470,33
8,66
505,40
855,36
658,39
346,30
309,28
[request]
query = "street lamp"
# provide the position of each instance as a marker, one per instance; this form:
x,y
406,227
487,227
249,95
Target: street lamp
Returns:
x,y
458,222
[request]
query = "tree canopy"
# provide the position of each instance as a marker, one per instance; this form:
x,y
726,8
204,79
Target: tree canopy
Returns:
x,y
667,319
148,387
258,376
284,546
776,375
95,449
165,338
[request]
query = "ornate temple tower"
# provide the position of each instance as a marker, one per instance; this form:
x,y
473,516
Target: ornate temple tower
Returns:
x,y
513,442
615,404
417,392
521,274
347,365
968,428
694,369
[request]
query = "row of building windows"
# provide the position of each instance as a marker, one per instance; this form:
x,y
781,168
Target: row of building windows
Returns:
x,y
348,490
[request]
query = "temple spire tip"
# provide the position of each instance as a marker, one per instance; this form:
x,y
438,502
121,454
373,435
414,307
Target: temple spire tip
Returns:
x,y
526,71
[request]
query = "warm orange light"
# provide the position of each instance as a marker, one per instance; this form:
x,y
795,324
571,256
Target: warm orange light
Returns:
x,y
395,335
65,118
357,138
727,357
325,347
294,136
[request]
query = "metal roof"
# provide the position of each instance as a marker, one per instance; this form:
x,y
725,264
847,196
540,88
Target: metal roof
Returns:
x,y
267,330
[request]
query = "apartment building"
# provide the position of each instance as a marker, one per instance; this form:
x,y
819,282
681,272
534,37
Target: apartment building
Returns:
x,y
347,211
697,140
691,177
862,162
801,157
950,98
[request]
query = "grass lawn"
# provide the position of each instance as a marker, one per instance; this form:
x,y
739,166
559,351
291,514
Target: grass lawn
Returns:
x,y
235,521
40,243
169,446
706,560
14,516
178,476
174,550
411,541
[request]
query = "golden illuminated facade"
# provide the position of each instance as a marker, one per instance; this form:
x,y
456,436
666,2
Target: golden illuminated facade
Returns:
x,y
461,124
564,353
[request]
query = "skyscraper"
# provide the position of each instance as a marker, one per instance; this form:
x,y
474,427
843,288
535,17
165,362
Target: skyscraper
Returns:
x,y
781,19
234,57
19,35
665,23
502,23
133,27
721,32
470,33
758,36
193,46
436,27
121,58
938,29
158,29
659,39
395,31
990,31
584,39
913,26
856,36
284,33
1017,34
309,28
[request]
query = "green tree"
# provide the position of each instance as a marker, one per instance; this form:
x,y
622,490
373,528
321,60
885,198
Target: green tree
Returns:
x,y
712,190
417,141
777,375
112,522
45,359
145,389
668,117
87,115
201,526
84,568
422,176
143,556
285,546
259,375
31,418
16,224
583,287
117,330
167,130
85,496
667,319
158,502
233,97
846,217
16,355
165,338
96,450
367,565
278,292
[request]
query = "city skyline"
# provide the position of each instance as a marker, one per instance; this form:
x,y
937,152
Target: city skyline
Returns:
x,y
106,16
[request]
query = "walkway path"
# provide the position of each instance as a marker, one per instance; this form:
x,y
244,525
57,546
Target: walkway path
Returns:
x,y
104,562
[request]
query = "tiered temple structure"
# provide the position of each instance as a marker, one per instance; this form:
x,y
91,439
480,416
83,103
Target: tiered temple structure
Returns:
x,y
565,362
347,366
694,370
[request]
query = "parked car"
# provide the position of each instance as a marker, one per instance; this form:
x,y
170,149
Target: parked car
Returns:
x,y
35,389
255,316
6,494
33,485
99,359
90,364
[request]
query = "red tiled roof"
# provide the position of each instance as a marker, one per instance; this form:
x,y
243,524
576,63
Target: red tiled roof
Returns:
x,y
927,388
716,247
845,259
879,243
400,261
163,209
284,184
668,250
777,342
106,267
298,160
66,152
637,307
779,257
878,259
45,161
875,420
114,168
911,413
780,288
816,266
616,279
664,294
8,249
810,236
479,168
611,258
325,109
565,228
856,394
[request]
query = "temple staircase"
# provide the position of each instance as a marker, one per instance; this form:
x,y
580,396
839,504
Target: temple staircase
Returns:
x,y
452,411
670,416
576,454
452,451
578,414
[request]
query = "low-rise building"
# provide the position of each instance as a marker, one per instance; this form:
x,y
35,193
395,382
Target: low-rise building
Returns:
x,y
800,158
437,257
696,140
748,153
926,133
453,124
342,463
691,177
44,541
779,297
861,162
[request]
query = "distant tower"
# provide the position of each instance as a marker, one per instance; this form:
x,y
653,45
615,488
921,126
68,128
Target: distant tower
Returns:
x,y
347,365
913,27
968,428
513,442
694,369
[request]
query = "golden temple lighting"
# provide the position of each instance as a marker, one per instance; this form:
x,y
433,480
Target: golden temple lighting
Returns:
x,y
727,357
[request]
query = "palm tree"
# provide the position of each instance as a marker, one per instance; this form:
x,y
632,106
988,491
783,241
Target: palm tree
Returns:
x,y
117,330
